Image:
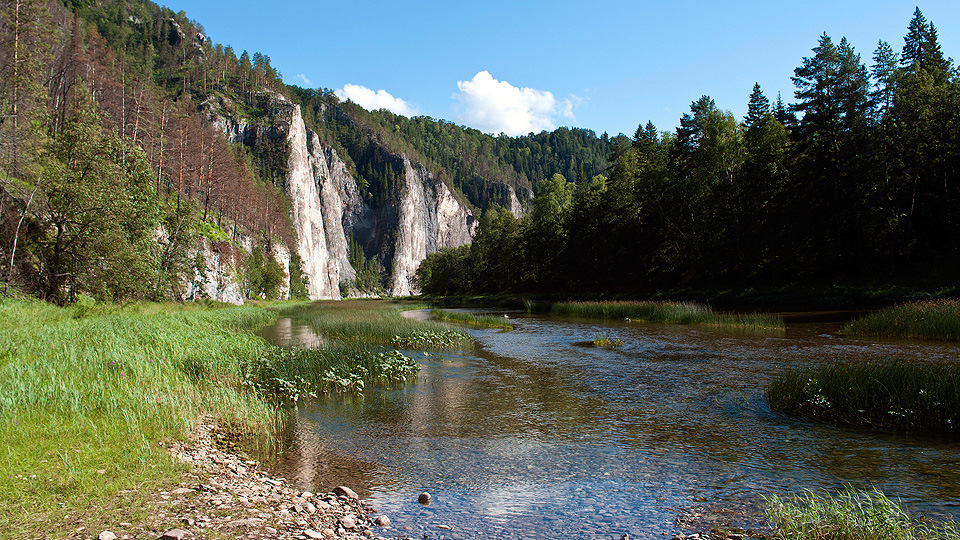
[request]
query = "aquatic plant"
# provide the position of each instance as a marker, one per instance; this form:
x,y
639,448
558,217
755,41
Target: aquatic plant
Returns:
x,y
376,322
472,319
669,312
431,339
899,395
928,319
850,515
602,340
292,373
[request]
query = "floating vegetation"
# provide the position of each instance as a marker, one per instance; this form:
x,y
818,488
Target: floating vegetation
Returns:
x,y
928,319
669,312
914,397
851,515
463,317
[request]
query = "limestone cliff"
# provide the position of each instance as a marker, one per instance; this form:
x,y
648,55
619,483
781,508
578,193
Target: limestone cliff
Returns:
x,y
430,218
317,263
327,207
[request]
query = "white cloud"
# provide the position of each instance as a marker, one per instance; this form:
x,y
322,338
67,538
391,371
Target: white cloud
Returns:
x,y
373,100
499,107
304,78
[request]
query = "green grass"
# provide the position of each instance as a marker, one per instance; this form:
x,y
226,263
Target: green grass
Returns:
x,y
471,319
87,392
376,322
850,515
928,319
915,397
669,312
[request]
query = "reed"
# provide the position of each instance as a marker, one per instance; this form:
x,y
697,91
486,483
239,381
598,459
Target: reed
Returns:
x,y
851,515
669,312
928,319
376,322
914,397
472,319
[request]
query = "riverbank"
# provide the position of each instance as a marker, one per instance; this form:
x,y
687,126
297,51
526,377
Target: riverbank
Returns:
x,y
224,494
815,296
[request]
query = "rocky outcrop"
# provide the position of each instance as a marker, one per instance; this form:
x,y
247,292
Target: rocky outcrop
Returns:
x,y
218,269
316,261
217,277
430,218
327,208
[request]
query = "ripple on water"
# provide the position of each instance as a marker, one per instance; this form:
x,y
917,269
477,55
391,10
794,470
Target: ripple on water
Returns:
x,y
532,435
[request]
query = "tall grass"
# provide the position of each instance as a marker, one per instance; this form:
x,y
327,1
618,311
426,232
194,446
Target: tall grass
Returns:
x,y
929,319
850,515
472,319
376,322
669,312
86,392
914,397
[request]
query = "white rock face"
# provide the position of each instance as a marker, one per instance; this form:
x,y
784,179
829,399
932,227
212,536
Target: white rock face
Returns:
x,y
331,175
430,219
219,279
319,267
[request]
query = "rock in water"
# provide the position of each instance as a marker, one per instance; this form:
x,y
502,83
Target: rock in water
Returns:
x,y
344,491
382,521
424,498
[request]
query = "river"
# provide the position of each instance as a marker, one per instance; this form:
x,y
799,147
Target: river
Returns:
x,y
533,434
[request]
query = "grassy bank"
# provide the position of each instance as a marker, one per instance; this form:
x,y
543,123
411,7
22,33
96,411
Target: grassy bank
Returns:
x,y
462,317
668,312
87,392
929,319
913,397
850,515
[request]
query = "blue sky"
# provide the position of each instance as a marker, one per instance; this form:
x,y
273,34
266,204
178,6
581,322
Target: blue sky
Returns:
x,y
522,66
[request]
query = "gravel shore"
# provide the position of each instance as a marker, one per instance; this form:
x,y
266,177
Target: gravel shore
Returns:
x,y
226,495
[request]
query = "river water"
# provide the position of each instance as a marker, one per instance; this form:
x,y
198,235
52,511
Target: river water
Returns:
x,y
533,434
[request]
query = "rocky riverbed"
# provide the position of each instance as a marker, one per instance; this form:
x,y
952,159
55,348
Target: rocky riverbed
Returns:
x,y
226,495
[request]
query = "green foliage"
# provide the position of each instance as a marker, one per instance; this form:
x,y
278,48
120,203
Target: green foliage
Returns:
x,y
263,275
669,312
95,213
472,319
850,515
929,319
298,281
851,182
916,397
368,280
444,272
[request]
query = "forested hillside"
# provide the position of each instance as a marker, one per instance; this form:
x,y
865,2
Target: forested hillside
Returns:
x,y
113,161
858,179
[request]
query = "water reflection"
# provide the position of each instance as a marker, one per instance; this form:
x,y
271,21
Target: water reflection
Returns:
x,y
531,435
